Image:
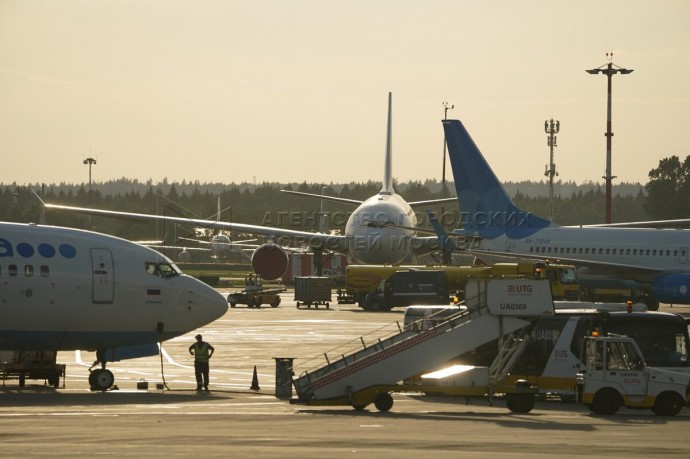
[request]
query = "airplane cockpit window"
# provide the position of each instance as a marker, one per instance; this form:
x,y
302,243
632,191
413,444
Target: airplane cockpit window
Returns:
x,y
168,270
378,224
164,270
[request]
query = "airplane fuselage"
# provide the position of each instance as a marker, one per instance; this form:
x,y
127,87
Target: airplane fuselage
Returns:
x,y
66,289
371,240
658,250
656,260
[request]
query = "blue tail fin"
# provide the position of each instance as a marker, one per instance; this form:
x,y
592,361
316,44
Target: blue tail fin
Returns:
x,y
485,207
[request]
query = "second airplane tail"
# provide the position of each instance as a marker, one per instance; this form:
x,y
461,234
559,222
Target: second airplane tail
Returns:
x,y
485,207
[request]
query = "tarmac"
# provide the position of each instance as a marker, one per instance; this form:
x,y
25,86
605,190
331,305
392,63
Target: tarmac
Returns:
x,y
241,417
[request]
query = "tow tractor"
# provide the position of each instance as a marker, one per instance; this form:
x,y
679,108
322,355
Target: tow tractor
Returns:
x,y
254,294
616,375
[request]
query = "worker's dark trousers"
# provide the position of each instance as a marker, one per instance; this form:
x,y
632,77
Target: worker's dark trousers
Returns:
x,y
201,373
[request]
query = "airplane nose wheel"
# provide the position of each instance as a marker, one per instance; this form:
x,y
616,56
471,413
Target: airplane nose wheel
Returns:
x,y
101,379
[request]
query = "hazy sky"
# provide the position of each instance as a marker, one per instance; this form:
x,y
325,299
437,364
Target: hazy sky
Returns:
x,y
223,91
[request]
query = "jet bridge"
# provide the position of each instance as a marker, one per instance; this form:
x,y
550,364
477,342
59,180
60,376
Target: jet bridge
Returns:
x,y
495,308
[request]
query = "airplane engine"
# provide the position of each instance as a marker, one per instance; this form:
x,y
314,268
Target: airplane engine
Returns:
x,y
269,261
672,288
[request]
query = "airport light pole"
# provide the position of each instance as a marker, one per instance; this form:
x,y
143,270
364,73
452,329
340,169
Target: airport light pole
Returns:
x,y
609,71
90,162
552,129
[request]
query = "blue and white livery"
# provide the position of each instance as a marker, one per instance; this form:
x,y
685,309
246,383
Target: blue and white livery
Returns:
x,y
67,289
656,260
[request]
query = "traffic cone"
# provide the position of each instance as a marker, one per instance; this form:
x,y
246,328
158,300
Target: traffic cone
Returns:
x,y
255,381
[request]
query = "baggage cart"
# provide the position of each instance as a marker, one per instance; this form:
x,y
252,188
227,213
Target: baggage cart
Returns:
x,y
312,290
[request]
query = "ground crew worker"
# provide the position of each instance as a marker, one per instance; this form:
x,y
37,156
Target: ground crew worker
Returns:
x,y
202,352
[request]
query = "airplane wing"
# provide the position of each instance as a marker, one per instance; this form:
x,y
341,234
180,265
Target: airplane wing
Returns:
x,y
676,223
336,243
593,267
356,202
233,244
325,197
433,201
178,247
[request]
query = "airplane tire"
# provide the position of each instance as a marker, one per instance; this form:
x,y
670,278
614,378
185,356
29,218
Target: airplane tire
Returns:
x,y
373,306
606,401
383,401
102,379
92,379
668,404
520,403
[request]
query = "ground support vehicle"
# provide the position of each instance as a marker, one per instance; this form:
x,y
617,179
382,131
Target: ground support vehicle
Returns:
x,y
552,354
313,291
363,279
345,297
615,375
404,288
495,308
25,365
254,294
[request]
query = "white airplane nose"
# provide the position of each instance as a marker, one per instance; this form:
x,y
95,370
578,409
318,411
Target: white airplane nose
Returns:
x,y
215,305
207,304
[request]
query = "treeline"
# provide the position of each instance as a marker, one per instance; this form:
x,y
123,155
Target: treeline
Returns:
x,y
264,204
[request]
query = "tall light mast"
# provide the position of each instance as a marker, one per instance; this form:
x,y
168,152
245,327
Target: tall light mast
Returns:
x,y
609,71
90,161
551,129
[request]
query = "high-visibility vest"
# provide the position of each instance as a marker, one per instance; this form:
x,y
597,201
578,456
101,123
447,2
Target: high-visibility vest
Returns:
x,y
201,352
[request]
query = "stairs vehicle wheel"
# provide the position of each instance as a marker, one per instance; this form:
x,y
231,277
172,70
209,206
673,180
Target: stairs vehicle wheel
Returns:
x,y
383,401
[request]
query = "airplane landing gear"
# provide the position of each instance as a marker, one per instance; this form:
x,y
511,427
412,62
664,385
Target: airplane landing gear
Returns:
x,y
100,379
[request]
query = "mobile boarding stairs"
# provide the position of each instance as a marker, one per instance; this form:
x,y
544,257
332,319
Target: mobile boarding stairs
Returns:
x,y
495,308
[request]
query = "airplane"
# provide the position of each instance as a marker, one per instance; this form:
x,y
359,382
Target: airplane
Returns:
x,y
67,289
218,248
368,237
654,259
